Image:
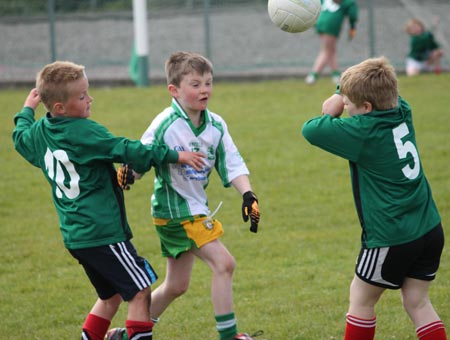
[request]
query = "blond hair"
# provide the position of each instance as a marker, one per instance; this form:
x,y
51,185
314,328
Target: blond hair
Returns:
x,y
182,63
413,22
374,81
54,80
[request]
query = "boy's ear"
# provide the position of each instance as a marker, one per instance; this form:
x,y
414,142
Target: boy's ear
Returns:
x,y
58,108
367,107
172,90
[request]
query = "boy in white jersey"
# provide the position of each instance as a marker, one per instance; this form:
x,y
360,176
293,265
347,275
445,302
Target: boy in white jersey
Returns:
x,y
179,203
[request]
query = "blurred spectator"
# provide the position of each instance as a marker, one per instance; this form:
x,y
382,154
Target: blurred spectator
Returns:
x,y
424,52
329,26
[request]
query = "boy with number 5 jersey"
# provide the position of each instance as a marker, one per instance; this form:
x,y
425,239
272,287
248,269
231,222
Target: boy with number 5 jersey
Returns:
x,y
402,236
76,156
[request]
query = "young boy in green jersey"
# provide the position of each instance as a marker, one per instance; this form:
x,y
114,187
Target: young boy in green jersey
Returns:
x,y
424,52
180,209
329,26
402,236
76,156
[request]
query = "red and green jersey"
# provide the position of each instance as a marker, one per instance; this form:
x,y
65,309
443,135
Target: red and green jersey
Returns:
x,y
76,156
333,14
392,195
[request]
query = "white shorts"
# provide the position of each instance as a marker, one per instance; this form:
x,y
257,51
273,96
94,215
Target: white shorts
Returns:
x,y
413,64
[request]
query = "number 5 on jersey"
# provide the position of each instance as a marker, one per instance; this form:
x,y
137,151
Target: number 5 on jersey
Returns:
x,y
404,148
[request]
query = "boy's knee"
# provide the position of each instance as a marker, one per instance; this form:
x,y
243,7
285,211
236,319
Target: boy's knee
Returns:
x,y
231,264
411,302
143,296
113,301
227,265
178,289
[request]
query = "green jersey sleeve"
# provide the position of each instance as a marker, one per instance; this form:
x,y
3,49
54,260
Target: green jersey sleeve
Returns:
x,y
339,136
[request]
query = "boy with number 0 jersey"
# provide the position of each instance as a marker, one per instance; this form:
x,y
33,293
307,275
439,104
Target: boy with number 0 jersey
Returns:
x,y
76,156
402,236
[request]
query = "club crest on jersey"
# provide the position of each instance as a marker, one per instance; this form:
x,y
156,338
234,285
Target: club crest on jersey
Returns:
x,y
208,224
195,146
210,153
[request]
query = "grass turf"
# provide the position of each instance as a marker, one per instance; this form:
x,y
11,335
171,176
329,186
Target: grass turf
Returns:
x,y
292,277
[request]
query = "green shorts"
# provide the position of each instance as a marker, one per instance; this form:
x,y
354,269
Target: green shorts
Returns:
x,y
179,235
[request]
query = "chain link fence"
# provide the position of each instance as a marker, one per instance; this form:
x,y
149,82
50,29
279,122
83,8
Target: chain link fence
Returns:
x,y
237,35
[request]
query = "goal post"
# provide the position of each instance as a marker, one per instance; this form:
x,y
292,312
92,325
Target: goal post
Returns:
x,y
139,60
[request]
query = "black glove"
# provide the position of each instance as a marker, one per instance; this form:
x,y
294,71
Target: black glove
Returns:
x,y
250,208
125,176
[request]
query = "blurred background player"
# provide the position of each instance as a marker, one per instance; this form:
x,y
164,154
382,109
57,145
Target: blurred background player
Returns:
x,y
329,26
424,51
402,236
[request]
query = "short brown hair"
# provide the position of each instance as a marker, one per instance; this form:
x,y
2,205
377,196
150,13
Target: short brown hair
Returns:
x,y
54,80
182,63
373,80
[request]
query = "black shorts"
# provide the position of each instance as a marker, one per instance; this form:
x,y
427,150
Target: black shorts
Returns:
x,y
389,266
115,268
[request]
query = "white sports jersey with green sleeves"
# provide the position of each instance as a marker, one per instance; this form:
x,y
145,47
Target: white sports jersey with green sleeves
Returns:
x,y
179,190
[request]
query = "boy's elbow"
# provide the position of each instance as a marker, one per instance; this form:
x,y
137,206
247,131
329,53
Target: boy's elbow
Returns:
x,y
312,134
307,132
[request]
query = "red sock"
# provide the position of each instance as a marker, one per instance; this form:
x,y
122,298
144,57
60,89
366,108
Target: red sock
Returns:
x,y
432,331
359,329
95,327
142,330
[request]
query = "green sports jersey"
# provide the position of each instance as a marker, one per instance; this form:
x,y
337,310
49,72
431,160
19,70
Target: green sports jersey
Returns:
x,y
76,156
333,14
392,195
421,45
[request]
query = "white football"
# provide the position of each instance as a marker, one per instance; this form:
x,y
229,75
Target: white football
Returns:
x,y
294,16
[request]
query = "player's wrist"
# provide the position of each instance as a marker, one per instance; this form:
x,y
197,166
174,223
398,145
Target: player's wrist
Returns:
x,y
172,156
248,195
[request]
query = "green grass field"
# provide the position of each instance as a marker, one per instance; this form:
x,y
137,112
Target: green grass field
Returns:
x,y
292,277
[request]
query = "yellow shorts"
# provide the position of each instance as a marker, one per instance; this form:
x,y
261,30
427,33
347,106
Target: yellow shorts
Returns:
x,y
178,236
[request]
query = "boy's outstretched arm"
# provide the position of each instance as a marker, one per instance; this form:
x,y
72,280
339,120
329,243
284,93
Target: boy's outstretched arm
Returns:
x,y
126,174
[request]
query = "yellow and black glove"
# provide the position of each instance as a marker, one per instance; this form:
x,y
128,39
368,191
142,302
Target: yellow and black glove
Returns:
x,y
250,209
125,176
